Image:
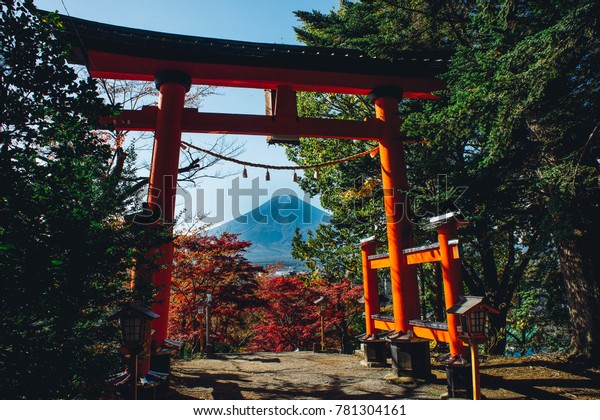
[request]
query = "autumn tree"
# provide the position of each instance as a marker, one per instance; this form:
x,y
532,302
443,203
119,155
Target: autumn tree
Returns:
x,y
289,319
203,264
343,317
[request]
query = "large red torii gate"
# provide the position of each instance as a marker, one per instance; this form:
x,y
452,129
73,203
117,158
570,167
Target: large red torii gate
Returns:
x,y
175,62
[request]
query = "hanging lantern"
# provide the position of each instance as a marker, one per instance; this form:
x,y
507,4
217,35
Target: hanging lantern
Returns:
x,y
295,177
245,173
268,176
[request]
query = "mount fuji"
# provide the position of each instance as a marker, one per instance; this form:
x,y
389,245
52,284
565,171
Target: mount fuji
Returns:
x,y
271,226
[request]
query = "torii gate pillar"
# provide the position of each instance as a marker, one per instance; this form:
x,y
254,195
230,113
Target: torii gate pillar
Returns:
x,y
173,86
405,292
371,290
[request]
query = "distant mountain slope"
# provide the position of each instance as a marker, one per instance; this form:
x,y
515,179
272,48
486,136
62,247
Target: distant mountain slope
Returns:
x,y
270,227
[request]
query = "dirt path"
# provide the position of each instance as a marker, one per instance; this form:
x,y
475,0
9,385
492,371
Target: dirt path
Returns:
x,y
307,375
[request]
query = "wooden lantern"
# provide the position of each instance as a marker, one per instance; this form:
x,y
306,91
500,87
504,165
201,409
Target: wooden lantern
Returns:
x,y
136,323
473,314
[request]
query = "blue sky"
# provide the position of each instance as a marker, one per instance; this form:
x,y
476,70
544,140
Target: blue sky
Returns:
x,y
270,21
245,20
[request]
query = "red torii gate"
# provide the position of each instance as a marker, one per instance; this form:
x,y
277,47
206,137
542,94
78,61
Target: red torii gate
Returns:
x,y
175,62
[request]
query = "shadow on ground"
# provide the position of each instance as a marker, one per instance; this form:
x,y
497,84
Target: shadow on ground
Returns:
x,y
306,375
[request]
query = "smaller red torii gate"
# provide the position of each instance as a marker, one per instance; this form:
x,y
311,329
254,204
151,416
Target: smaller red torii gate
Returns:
x,y
175,62
446,252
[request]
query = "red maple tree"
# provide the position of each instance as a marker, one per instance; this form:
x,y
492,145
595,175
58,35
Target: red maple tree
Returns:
x,y
289,319
212,264
343,317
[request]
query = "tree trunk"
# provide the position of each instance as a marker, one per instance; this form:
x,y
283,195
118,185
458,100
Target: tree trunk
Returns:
x,y
573,207
497,334
580,274
491,288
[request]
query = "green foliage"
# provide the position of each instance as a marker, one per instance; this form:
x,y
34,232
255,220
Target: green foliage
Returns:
x,y
351,191
538,320
327,253
381,28
526,95
65,251
517,127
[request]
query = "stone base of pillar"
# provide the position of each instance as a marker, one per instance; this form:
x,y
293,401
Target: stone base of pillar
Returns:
x,y
460,381
317,348
210,351
411,358
375,353
160,369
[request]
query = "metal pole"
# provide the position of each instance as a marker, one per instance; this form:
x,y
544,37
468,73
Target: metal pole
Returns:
x,y
322,332
201,338
475,370
207,318
135,377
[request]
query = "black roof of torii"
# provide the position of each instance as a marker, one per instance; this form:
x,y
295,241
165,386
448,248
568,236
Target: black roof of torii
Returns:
x,y
88,35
